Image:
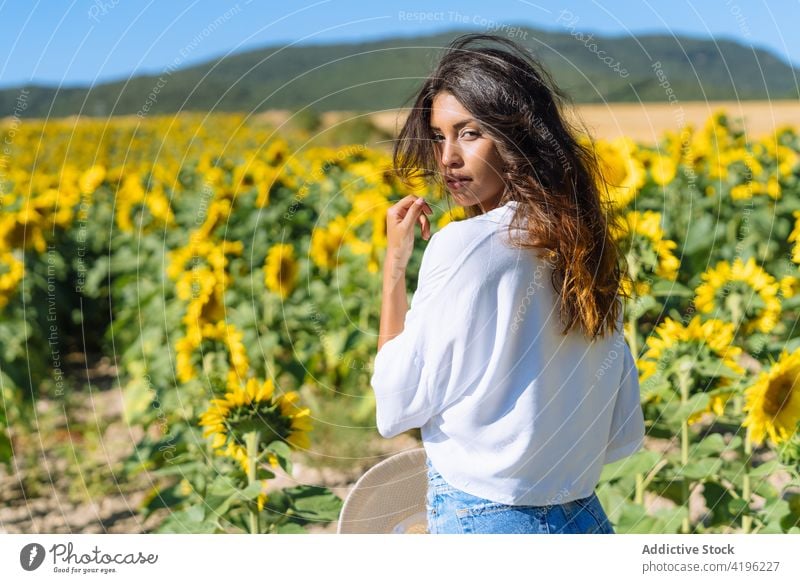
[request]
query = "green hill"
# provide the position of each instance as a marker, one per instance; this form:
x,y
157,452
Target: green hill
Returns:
x,y
383,74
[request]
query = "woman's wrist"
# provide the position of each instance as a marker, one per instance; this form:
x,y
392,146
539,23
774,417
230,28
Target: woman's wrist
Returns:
x,y
394,267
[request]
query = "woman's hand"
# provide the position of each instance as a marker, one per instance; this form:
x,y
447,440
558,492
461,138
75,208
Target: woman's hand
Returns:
x,y
401,220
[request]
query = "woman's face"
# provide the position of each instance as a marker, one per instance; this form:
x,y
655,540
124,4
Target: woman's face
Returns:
x,y
464,151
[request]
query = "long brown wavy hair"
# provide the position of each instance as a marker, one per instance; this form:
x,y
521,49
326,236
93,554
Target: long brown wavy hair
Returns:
x,y
553,175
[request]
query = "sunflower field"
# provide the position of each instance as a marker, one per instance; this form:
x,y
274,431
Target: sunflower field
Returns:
x,y
232,274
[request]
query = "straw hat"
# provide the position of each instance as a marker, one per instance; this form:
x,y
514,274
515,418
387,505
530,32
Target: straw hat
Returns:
x,y
390,498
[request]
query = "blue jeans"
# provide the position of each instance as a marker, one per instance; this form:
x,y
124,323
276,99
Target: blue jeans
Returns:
x,y
452,511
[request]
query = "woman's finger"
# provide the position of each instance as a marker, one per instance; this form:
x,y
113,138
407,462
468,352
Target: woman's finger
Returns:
x,y
402,206
425,224
413,212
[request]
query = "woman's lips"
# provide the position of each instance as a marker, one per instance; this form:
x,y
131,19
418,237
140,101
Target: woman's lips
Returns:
x,y
454,184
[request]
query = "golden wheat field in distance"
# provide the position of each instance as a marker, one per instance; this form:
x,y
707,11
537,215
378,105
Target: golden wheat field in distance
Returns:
x,y
643,122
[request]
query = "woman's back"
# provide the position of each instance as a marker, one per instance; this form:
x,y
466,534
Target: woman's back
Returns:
x,y
511,410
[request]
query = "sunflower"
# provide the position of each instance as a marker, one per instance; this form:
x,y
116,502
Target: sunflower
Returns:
x,y
326,242
11,272
201,266
250,406
276,151
60,203
662,169
370,205
772,403
218,213
187,347
259,175
200,251
24,228
149,210
454,214
91,179
738,283
707,146
641,234
794,237
789,285
268,181
709,340
622,172
207,304
280,270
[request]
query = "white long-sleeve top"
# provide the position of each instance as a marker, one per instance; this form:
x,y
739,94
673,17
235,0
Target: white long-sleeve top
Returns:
x,y
510,409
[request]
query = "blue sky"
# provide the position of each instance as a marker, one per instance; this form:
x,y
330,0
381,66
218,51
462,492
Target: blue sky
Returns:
x,y
67,43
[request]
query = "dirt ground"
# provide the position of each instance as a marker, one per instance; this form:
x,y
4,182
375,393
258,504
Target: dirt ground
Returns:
x,y
73,486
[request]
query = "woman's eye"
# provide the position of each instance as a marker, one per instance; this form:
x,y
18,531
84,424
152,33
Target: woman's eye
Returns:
x,y
471,133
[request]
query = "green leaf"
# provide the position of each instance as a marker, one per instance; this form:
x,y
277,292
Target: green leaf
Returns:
x,y
781,515
250,492
697,238
640,462
189,521
635,520
612,499
718,499
179,469
667,288
138,396
315,503
290,528
670,518
165,498
733,470
765,469
676,412
711,445
715,369
278,502
763,488
643,305
284,454
701,470
670,489
220,495
6,451
737,507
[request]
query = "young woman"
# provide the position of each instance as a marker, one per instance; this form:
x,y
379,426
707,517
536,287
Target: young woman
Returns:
x,y
511,358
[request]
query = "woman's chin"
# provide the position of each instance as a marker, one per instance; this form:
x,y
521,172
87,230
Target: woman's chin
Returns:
x,y
464,199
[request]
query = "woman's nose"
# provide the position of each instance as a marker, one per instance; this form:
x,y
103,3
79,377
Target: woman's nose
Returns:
x,y
450,154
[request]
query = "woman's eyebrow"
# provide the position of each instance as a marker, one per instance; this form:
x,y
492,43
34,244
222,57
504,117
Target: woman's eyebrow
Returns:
x,y
458,125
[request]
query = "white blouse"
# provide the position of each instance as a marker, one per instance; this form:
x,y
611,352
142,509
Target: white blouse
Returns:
x,y
510,409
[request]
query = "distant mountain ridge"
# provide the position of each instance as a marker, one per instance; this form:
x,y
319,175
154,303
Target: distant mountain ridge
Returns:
x,y
383,74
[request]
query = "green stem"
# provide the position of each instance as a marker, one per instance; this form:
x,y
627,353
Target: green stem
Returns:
x,y
747,521
734,304
684,380
638,496
269,322
363,319
251,439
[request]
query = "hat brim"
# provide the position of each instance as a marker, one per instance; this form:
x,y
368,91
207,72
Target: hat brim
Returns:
x,y
390,498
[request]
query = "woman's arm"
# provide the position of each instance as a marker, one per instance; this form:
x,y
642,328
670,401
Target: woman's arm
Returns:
x,y
424,366
394,302
400,223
